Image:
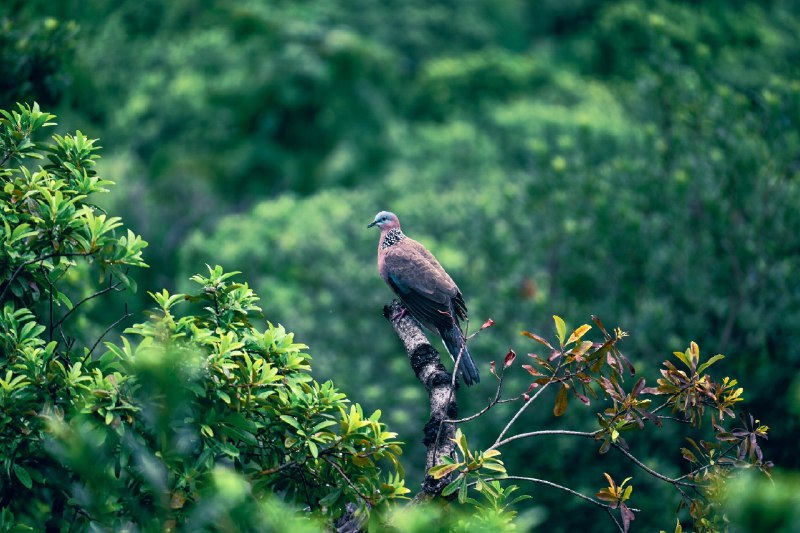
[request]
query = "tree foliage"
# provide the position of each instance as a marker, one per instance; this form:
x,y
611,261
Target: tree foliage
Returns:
x,y
632,160
194,425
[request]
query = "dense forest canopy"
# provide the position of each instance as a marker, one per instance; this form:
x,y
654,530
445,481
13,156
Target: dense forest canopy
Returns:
x,y
638,161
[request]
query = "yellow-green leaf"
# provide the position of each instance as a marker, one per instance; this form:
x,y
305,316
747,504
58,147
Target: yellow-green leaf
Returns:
x,y
440,471
497,467
710,362
561,328
627,493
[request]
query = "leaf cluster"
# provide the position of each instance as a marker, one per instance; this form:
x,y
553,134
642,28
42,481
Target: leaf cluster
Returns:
x,y
197,418
48,218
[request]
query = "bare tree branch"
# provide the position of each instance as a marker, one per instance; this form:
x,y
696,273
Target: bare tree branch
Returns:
x,y
589,434
109,328
84,300
606,507
428,368
649,470
353,486
494,401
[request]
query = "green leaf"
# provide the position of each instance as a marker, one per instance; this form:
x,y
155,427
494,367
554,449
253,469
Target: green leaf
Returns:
x,y
684,358
291,421
497,467
627,493
440,471
331,498
561,328
229,449
23,476
452,487
63,299
462,491
710,362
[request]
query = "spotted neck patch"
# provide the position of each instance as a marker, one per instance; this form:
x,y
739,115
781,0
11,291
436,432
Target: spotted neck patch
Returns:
x,y
393,236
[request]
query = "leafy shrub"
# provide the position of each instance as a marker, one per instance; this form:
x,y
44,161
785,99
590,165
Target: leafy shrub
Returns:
x,y
194,426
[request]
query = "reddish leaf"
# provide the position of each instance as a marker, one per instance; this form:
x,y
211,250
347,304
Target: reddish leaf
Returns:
x,y
491,368
600,325
627,517
489,323
553,355
628,364
526,396
637,388
509,360
532,371
582,398
537,338
688,455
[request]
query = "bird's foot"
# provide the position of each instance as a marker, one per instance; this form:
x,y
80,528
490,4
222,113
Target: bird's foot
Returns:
x,y
400,314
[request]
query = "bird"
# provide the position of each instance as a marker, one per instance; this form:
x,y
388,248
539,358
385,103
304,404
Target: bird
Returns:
x,y
428,292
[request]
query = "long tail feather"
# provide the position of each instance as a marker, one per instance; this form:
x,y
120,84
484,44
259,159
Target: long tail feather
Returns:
x,y
454,341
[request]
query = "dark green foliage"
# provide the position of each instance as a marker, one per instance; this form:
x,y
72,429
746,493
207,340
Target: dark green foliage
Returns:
x,y
636,160
35,57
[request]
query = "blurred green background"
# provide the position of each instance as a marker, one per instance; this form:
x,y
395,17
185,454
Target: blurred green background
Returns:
x,y
636,160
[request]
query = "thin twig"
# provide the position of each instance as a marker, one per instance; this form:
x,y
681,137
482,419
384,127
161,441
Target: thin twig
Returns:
x,y
675,418
588,434
95,295
36,260
276,469
347,479
723,454
676,482
649,470
565,489
50,294
109,328
491,404
525,406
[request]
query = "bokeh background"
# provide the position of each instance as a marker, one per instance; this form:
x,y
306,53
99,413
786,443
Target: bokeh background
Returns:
x,y
636,160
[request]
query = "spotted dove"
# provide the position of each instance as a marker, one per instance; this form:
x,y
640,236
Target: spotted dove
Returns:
x,y
428,292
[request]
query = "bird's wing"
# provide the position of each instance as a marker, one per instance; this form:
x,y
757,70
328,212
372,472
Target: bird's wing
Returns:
x,y
423,285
